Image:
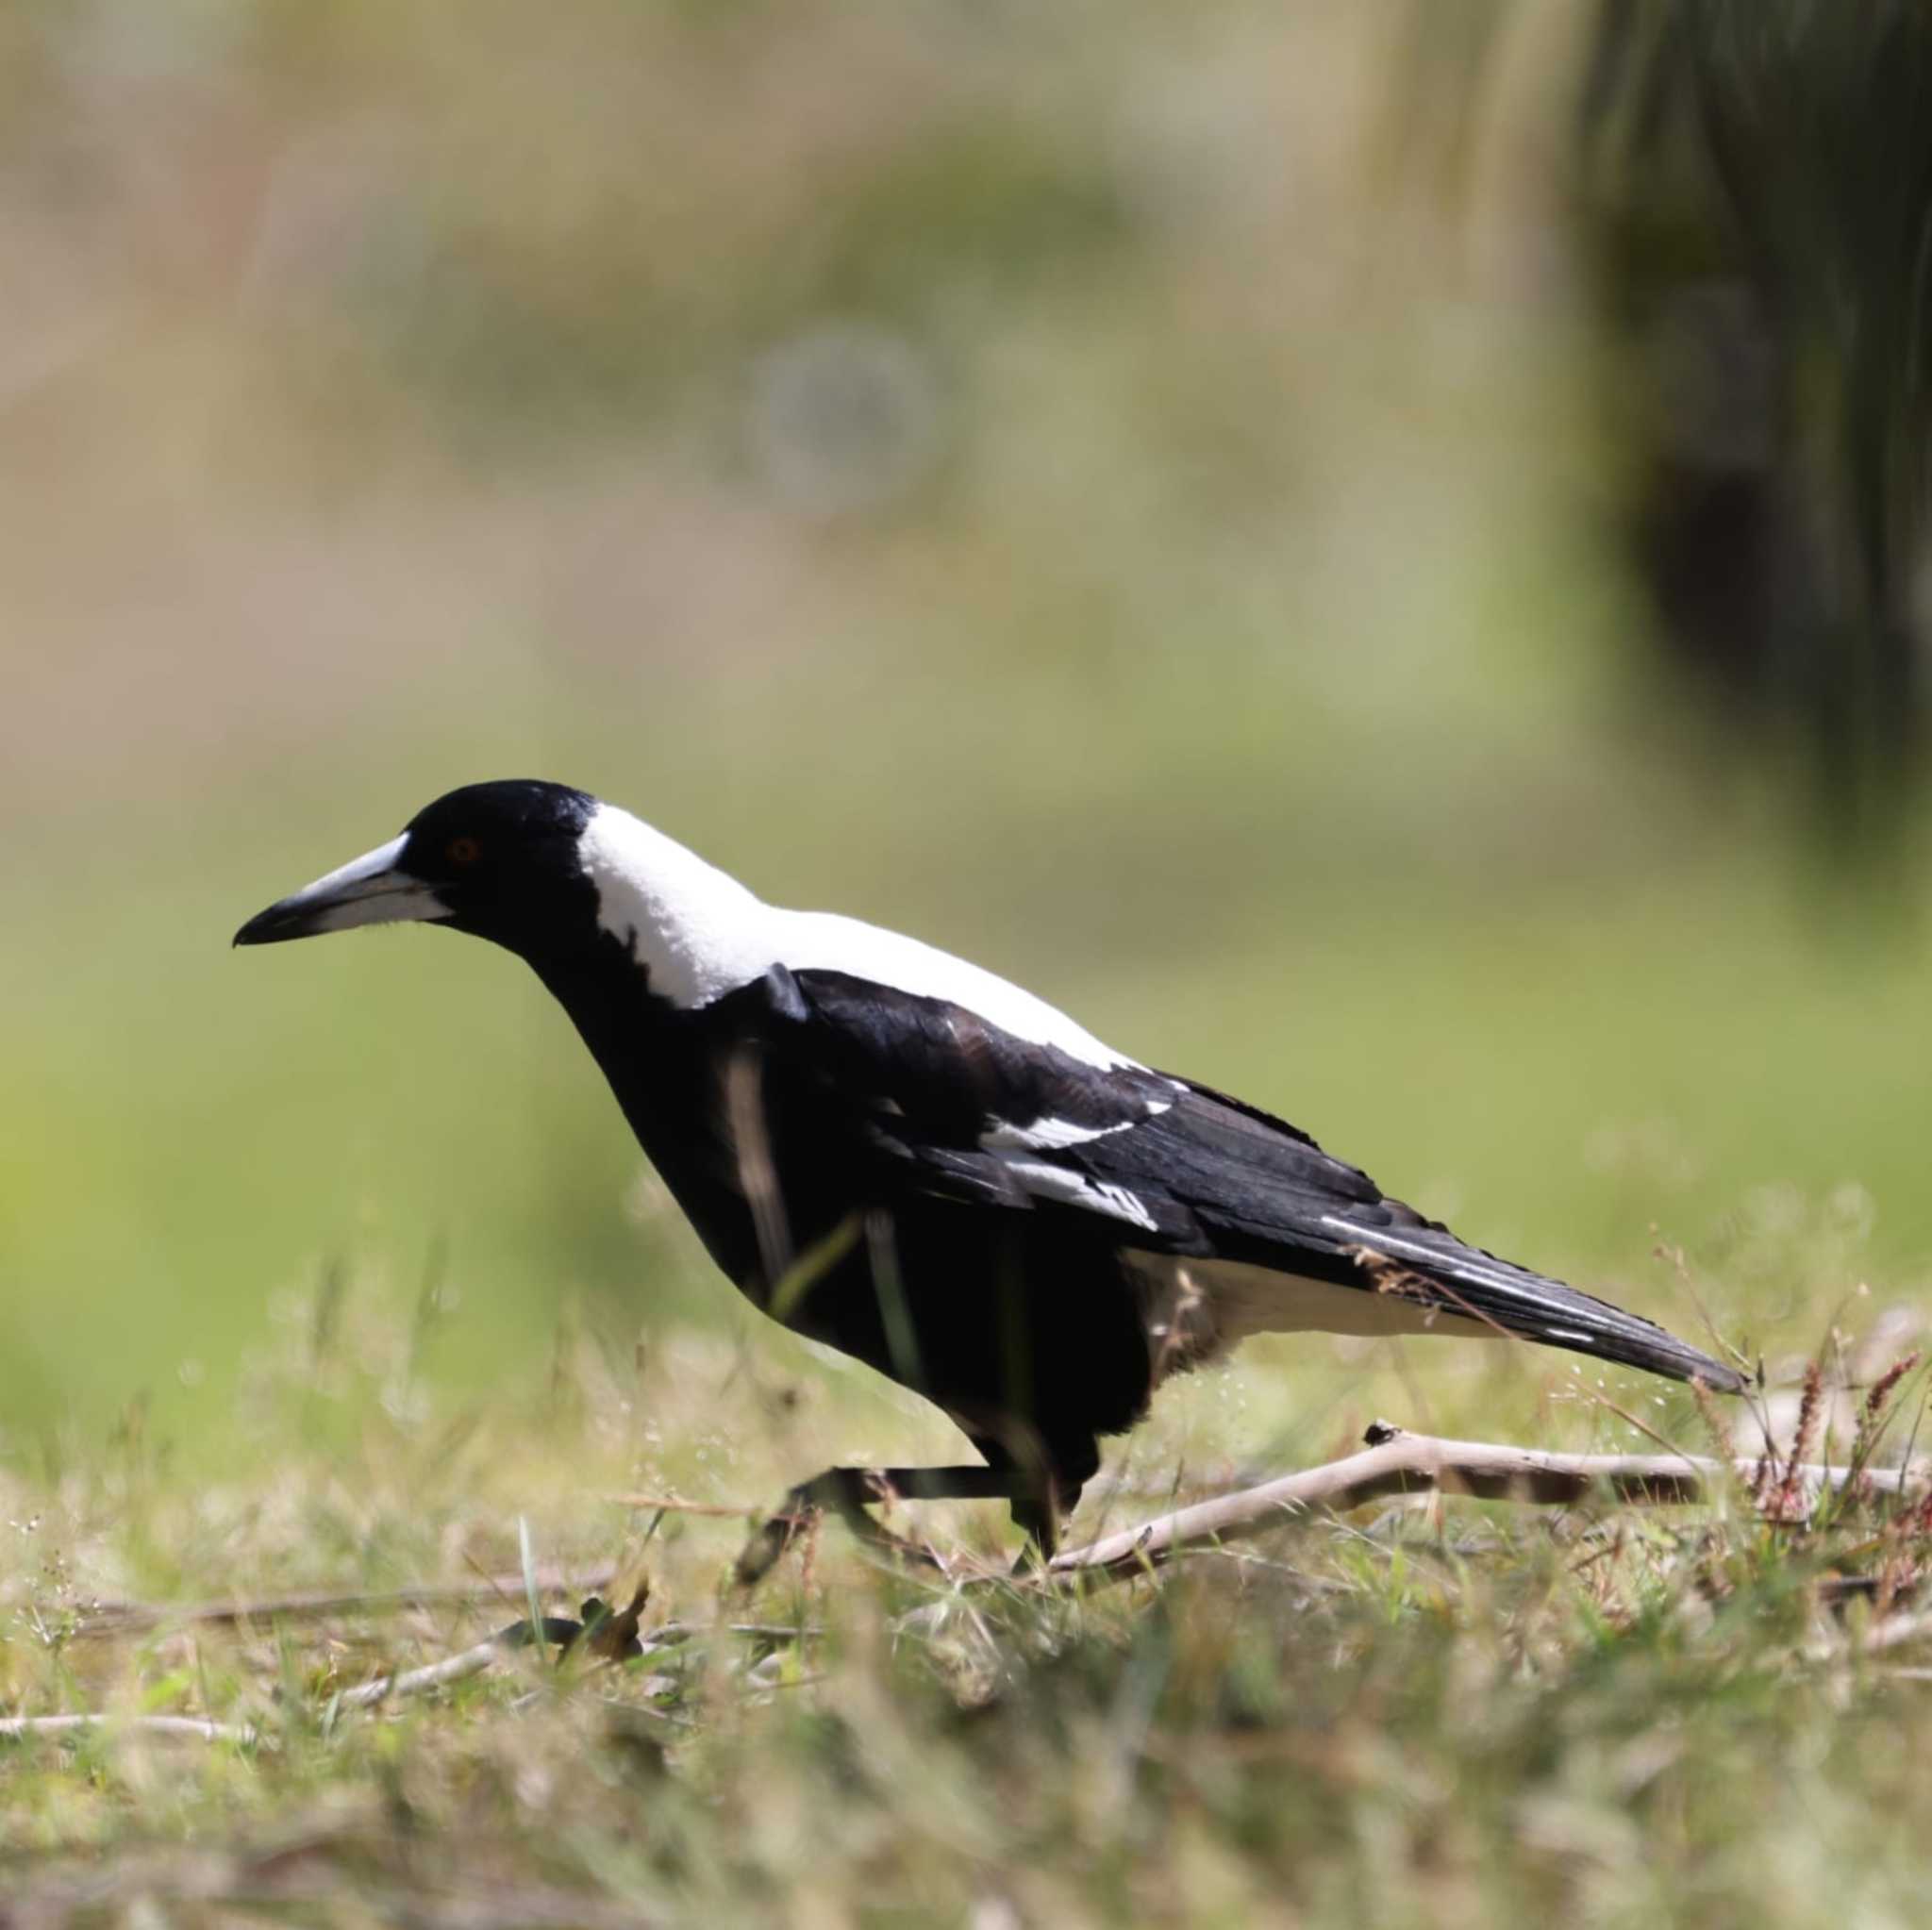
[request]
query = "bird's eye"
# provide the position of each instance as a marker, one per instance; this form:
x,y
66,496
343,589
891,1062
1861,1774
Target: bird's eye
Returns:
x,y
463,850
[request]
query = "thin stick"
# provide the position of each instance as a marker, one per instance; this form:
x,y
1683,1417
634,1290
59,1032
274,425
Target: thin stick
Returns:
x,y
268,1881
472,1661
134,1617
196,1726
1396,1462
1895,1631
465,1662
720,1510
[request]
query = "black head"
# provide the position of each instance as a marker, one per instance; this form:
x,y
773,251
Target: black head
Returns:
x,y
497,859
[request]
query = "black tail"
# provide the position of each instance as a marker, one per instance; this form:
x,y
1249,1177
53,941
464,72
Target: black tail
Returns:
x,y
1434,1267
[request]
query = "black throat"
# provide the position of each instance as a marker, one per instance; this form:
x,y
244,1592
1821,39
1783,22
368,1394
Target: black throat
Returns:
x,y
667,1070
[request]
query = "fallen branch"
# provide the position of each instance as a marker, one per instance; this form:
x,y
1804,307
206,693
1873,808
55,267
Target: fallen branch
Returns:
x,y
198,1728
1397,1463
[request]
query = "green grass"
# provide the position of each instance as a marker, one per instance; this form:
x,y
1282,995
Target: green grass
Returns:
x,y
1436,1714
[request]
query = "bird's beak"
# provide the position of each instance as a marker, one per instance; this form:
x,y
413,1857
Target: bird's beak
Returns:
x,y
370,890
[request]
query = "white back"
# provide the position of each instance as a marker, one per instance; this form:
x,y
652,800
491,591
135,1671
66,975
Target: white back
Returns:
x,y
701,933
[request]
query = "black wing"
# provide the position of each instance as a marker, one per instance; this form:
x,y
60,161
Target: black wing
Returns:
x,y
951,1105
1263,1193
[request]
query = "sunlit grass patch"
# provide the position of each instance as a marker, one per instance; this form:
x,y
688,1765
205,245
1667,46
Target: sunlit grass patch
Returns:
x,y
1428,1710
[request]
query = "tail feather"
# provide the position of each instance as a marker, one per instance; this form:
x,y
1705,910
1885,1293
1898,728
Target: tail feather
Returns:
x,y
1435,1269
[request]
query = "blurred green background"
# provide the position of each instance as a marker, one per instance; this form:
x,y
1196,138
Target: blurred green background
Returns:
x,y
1138,495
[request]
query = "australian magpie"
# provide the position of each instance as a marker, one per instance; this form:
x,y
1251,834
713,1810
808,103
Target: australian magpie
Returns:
x,y
900,1155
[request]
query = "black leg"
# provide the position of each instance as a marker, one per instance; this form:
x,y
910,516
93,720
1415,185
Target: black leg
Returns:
x,y
849,1489
1048,1490
1041,1483
1038,1514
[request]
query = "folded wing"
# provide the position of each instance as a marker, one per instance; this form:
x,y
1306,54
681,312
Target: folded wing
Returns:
x,y
1168,1170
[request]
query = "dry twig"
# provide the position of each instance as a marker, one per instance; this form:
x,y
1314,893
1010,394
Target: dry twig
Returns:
x,y
198,1728
669,1504
464,1663
1895,1631
136,1618
472,1661
1396,1462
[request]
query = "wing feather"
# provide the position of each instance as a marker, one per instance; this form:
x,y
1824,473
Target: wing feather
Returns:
x,y
951,1105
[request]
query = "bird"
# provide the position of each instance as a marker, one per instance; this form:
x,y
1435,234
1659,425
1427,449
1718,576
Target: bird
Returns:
x,y
914,1161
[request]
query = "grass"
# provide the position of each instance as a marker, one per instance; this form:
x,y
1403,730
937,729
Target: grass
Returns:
x,y
1438,1714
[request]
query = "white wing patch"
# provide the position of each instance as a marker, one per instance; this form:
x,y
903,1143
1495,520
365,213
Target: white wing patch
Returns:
x,y
1056,1135
700,934
1048,1182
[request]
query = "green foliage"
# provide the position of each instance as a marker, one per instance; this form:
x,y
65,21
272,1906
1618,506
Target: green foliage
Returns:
x,y
1780,151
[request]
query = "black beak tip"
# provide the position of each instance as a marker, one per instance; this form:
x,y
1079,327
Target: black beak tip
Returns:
x,y
266,928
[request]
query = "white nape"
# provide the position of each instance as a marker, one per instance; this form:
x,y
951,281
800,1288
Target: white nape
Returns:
x,y
701,933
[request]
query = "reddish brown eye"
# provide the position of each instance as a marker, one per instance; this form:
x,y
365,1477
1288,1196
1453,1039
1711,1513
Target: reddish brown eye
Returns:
x,y
463,850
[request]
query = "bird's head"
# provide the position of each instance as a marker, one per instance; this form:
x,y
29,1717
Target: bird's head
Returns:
x,y
498,860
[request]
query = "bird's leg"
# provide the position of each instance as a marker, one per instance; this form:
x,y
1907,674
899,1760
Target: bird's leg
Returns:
x,y
1047,1480
1037,1514
849,1489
